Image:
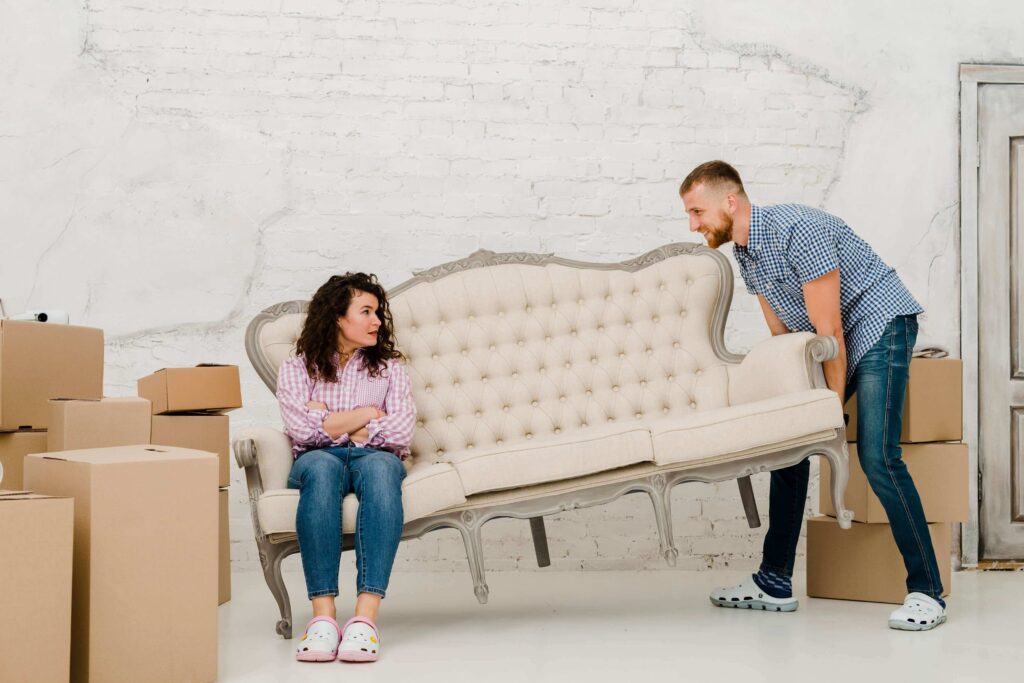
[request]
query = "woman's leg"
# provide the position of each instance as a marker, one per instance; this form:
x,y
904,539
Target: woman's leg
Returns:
x,y
377,482
320,477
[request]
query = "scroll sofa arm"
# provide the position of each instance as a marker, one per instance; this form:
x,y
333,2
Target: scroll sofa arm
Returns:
x,y
265,452
780,365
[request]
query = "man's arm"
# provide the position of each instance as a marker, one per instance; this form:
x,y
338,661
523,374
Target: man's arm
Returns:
x,y
776,326
821,296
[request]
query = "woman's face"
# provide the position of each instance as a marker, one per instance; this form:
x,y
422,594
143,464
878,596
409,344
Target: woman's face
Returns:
x,y
357,329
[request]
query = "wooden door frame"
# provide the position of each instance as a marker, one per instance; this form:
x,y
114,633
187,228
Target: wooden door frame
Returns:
x,y
971,77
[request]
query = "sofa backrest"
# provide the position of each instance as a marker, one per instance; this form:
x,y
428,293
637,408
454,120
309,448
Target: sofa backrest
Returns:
x,y
504,348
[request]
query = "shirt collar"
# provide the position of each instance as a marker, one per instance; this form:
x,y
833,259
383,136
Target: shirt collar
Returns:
x,y
755,239
358,353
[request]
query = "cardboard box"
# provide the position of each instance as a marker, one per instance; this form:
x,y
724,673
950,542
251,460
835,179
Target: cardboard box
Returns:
x,y
939,471
213,388
144,583
35,587
14,446
863,563
78,423
40,361
224,556
201,432
933,410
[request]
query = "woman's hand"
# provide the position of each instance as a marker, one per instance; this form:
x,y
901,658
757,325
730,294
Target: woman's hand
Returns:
x,y
373,413
360,437
316,405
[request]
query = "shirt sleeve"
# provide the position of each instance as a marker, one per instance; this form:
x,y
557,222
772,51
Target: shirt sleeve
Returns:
x,y
304,426
813,250
394,430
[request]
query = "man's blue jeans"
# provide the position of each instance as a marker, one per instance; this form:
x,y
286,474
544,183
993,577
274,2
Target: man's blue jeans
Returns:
x,y
880,383
324,477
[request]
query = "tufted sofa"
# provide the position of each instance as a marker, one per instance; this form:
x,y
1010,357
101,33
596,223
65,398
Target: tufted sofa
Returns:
x,y
544,384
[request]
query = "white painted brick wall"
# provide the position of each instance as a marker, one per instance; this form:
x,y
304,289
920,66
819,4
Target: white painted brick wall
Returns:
x,y
184,163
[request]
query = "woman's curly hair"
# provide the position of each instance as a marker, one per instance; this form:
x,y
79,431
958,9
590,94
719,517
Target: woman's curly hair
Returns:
x,y
319,339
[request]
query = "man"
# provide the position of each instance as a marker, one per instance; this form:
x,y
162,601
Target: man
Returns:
x,y
810,272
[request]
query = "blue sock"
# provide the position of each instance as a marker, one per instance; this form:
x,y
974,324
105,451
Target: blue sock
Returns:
x,y
775,585
940,601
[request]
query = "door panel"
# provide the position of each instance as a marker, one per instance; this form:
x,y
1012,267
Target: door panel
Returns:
x,y
1001,320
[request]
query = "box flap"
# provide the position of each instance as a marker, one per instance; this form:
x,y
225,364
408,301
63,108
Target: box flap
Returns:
x,y
23,495
125,454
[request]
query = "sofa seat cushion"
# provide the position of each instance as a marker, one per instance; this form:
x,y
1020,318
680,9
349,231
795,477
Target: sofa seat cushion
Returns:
x,y
711,435
427,488
534,461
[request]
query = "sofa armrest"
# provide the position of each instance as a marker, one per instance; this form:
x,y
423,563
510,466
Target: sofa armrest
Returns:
x,y
266,450
779,365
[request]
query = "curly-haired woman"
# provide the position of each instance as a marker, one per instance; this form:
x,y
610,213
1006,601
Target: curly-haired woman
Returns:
x,y
348,409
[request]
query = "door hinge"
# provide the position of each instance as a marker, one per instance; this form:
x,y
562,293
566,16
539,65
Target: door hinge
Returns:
x,y
979,486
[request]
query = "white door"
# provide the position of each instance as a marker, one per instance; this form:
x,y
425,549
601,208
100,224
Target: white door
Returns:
x,y
1001,320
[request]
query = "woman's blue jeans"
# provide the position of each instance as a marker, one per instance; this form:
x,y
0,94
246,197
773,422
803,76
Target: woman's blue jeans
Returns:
x,y
324,477
880,383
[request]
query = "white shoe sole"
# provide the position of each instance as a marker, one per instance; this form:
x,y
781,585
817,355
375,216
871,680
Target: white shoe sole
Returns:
x,y
900,625
756,604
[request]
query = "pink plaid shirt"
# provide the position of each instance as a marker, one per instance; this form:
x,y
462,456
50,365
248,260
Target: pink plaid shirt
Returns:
x,y
391,392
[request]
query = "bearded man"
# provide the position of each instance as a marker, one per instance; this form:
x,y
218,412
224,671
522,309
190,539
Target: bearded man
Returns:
x,y
811,272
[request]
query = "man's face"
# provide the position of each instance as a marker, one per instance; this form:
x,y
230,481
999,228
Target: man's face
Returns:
x,y
710,214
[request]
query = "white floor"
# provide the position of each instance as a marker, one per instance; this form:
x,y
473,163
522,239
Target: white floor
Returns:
x,y
625,626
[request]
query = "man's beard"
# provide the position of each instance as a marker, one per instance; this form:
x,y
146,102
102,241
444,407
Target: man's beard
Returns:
x,y
720,234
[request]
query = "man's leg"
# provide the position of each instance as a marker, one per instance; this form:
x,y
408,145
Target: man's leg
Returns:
x,y
771,587
882,381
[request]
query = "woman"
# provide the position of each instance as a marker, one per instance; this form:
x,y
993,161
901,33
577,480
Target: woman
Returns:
x,y
348,409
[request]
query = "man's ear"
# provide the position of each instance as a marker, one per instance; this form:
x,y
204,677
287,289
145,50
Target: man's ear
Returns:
x,y
732,202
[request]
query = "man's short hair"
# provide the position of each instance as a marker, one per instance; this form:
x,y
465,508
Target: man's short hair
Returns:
x,y
713,174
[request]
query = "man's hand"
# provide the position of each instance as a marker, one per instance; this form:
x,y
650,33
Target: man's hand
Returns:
x,y
316,405
360,437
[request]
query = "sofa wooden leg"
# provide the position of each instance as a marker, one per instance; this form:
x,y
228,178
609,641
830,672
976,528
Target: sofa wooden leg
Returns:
x,y
469,527
271,555
749,504
661,499
540,541
839,461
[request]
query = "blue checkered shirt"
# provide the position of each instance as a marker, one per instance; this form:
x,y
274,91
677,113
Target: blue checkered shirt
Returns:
x,y
791,244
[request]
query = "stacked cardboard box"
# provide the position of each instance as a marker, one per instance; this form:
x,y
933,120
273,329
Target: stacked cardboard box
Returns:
x,y
188,406
78,423
40,361
35,587
145,554
142,516
864,563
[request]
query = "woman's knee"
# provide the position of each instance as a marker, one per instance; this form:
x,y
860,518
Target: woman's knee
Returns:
x,y
317,468
382,469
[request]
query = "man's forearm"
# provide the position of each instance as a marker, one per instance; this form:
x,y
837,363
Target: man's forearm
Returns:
x,y
835,370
